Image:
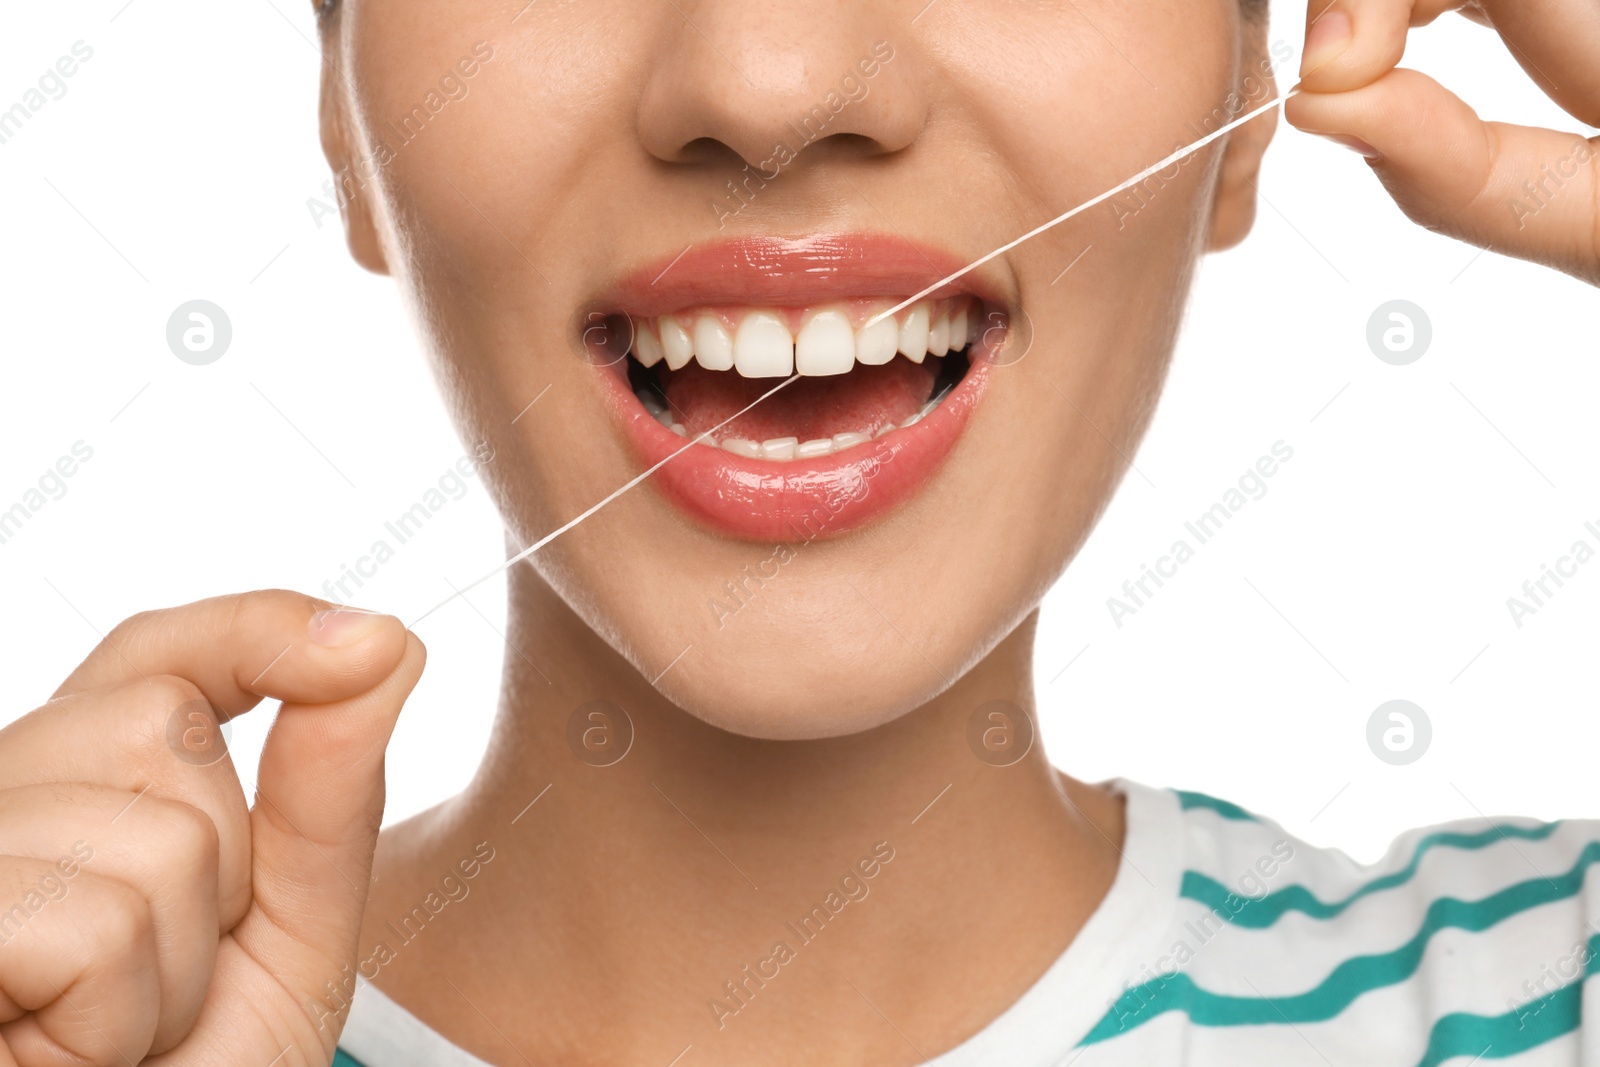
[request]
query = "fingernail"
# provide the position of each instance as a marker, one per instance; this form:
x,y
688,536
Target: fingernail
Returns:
x,y
1326,40
1355,144
342,627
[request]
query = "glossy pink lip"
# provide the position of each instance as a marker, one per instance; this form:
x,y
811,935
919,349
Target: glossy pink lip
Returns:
x,y
800,499
774,271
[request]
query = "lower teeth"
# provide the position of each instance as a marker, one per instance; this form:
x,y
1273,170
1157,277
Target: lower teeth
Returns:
x,y
786,448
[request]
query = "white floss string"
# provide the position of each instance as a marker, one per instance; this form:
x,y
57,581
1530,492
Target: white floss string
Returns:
x,y
1181,154
629,484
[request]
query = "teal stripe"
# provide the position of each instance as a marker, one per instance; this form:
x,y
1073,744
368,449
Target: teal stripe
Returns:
x,y
1499,1036
1189,801
341,1058
1261,912
1349,980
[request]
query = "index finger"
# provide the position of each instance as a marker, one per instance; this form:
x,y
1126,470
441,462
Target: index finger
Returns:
x,y
237,649
1352,43
1558,44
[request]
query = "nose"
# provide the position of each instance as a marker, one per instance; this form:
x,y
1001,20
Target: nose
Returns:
x,y
772,82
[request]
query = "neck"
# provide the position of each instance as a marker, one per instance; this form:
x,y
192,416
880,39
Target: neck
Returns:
x,y
729,889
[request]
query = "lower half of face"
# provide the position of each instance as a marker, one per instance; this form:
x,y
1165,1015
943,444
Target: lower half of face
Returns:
x,y
627,226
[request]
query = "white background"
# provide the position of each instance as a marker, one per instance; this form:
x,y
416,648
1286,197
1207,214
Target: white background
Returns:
x,y
179,165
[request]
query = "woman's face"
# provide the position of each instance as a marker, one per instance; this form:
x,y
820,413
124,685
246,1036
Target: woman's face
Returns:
x,y
751,183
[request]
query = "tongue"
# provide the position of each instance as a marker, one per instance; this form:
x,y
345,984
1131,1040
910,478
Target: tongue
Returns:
x,y
862,401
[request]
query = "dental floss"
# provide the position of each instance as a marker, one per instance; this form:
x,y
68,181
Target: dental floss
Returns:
x,y
1180,154
553,534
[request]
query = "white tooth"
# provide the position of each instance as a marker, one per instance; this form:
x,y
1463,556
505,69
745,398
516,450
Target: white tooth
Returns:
x,y
876,344
664,417
914,332
779,447
958,325
651,402
713,348
826,345
883,430
678,429
913,420
763,347
675,342
646,347
939,336
739,446
822,446
842,441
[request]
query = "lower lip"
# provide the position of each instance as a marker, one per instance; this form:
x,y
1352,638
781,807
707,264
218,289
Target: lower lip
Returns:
x,y
767,500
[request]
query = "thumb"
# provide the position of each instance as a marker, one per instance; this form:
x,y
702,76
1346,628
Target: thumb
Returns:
x,y
319,802
1526,192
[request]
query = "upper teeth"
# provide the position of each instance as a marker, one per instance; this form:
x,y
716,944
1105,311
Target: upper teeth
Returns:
x,y
775,343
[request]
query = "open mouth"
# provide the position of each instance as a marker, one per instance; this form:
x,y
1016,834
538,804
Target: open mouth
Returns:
x,y
874,411
694,371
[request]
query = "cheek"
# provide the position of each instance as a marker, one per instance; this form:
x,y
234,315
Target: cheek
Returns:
x,y
1076,101
500,183
485,205
1123,86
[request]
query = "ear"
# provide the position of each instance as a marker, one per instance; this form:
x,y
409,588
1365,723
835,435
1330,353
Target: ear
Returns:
x,y
353,172
1234,210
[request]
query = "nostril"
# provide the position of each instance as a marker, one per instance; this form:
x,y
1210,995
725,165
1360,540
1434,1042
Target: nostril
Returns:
x,y
856,144
708,151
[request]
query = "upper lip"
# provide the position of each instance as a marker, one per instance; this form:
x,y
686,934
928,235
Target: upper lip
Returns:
x,y
793,272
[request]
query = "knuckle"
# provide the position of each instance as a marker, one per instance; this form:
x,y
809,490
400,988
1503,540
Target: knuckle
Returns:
x,y
161,694
123,633
162,707
188,832
122,924
248,612
164,688
273,600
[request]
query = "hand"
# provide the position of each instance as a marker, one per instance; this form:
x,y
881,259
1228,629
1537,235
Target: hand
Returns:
x,y
1531,193
147,915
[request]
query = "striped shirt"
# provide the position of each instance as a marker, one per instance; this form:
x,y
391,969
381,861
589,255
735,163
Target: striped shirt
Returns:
x,y
1224,940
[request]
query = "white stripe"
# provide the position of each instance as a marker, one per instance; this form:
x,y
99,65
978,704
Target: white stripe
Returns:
x,y
380,1033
